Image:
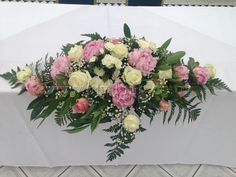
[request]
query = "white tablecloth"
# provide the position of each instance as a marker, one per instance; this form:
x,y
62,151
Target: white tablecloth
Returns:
x,y
29,31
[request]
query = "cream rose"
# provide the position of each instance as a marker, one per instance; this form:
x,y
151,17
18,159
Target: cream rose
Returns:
x,y
166,74
99,86
120,51
109,61
24,74
79,80
147,45
150,85
75,53
131,123
109,46
99,72
132,76
211,70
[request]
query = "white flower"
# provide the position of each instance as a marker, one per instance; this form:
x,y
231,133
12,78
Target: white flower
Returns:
x,y
131,123
120,51
109,46
166,74
24,74
132,76
150,85
211,70
110,61
147,45
75,53
99,86
99,72
92,59
79,80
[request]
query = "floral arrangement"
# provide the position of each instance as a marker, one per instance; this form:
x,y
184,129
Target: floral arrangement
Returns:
x,y
115,80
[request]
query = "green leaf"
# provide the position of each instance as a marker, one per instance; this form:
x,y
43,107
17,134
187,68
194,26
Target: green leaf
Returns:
x,y
127,31
172,112
93,36
96,120
164,67
35,112
47,111
218,84
192,64
166,44
174,58
76,129
36,102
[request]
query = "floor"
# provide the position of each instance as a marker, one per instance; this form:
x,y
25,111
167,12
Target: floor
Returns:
x,y
121,171
131,170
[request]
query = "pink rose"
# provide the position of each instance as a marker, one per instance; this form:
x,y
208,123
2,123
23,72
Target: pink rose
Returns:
x,y
142,60
163,105
182,72
34,86
122,96
201,74
81,105
60,65
93,48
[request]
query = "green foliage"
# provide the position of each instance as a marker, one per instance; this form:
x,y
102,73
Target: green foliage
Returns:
x,y
192,64
127,31
174,58
216,83
165,44
121,139
92,36
11,78
66,48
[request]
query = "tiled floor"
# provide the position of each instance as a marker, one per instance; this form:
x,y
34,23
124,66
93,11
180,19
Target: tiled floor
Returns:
x,y
121,171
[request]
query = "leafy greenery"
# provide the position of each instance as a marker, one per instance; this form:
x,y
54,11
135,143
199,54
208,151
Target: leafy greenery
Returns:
x,y
11,78
127,32
92,36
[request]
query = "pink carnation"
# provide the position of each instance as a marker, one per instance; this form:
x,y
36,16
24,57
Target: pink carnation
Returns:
x,y
116,40
60,65
201,74
34,86
122,96
93,49
163,105
142,60
182,72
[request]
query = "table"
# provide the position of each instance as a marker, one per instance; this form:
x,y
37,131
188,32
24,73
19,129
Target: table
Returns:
x,y
29,31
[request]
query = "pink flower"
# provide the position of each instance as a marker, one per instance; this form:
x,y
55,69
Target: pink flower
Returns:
x,y
163,105
60,65
81,106
93,48
201,74
182,72
34,86
142,60
122,96
116,40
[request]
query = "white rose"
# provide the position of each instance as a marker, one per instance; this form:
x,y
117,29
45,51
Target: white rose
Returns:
x,y
150,85
24,74
166,74
75,53
99,72
143,43
99,86
109,46
110,61
211,70
132,76
153,46
120,51
131,123
79,80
